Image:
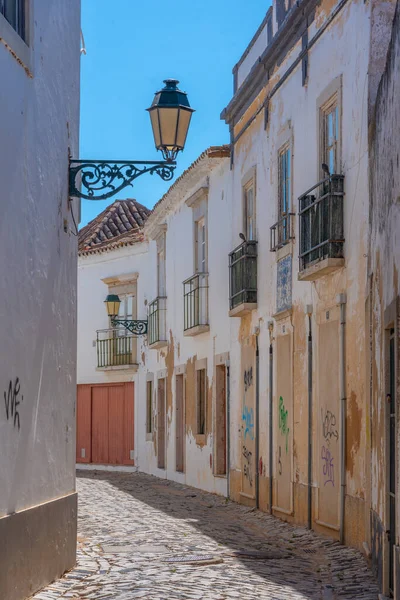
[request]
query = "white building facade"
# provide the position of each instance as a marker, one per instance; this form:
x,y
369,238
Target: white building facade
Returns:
x,y
254,379
39,121
189,337
113,259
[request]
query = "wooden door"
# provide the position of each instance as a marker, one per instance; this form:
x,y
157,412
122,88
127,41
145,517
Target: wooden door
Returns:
x,y
248,428
105,424
220,421
116,399
100,417
161,424
180,424
84,424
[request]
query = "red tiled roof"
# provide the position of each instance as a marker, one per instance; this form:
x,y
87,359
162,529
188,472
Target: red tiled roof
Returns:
x,y
120,224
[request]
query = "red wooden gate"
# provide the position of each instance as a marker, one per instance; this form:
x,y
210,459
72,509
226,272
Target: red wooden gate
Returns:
x,y
105,424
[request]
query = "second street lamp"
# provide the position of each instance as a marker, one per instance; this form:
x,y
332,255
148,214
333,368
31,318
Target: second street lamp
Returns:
x,y
135,326
170,115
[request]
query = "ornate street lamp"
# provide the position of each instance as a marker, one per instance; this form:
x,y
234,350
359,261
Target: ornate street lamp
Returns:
x,y
135,326
170,115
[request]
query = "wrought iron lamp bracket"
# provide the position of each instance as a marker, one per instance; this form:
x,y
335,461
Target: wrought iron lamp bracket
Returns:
x,y
101,179
135,326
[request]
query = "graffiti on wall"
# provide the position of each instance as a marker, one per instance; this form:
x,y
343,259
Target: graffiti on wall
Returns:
x,y
12,400
329,430
248,413
248,378
248,469
328,466
329,433
283,422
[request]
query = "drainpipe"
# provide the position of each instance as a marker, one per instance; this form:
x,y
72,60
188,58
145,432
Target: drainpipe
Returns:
x,y
309,309
341,300
271,378
257,457
228,428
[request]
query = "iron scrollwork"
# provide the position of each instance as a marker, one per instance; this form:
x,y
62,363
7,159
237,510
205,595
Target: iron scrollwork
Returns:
x,y
136,326
99,180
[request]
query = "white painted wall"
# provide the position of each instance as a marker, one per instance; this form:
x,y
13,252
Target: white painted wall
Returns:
x,y
342,51
255,50
92,314
180,266
39,117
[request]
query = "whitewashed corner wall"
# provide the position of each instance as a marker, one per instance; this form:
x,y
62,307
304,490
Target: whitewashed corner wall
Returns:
x,y
39,119
39,125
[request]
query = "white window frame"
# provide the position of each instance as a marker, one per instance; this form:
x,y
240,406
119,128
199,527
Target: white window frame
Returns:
x,y
331,97
149,406
161,268
284,192
201,245
19,47
249,222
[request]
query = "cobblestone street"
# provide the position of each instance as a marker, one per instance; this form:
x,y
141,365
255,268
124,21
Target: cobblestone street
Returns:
x,y
134,528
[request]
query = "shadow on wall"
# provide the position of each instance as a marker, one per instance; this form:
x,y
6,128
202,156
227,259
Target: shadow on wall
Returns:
x,y
240,528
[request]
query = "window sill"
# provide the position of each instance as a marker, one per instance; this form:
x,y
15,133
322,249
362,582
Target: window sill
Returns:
x,y
16,45
242,309
196,330
283,314
133,368
285,250
321,268
158,345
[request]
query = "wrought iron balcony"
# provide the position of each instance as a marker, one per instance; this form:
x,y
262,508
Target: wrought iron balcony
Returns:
x,y
282,232
243,278
195,303
321,224
115,348
157,325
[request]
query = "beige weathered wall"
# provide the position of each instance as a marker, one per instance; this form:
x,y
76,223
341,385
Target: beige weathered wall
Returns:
x,y
384,300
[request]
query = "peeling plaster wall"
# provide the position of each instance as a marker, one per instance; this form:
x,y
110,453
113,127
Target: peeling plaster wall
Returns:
x,y
384,267
341,54
39,119
182,352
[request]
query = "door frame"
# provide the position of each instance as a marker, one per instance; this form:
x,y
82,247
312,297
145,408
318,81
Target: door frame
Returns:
x,y
180,373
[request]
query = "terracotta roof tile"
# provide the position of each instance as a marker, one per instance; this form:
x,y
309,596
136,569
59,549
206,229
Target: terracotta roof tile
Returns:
x,y
120,224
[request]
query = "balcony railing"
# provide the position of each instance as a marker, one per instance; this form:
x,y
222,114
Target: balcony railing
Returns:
x,y
243,274
157,325
321,221
282,232
114,348
195,301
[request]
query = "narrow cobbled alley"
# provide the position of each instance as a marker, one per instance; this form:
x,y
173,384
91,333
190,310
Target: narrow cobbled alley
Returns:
x,y
143,537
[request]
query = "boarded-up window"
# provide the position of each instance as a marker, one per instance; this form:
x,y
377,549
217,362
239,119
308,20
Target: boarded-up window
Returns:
x,y
149,407
201,401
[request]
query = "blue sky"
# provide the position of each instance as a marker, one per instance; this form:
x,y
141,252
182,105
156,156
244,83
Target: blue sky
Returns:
x,y
131,49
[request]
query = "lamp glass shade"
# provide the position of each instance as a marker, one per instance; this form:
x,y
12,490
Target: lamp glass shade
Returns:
x,y
112,303
170,116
